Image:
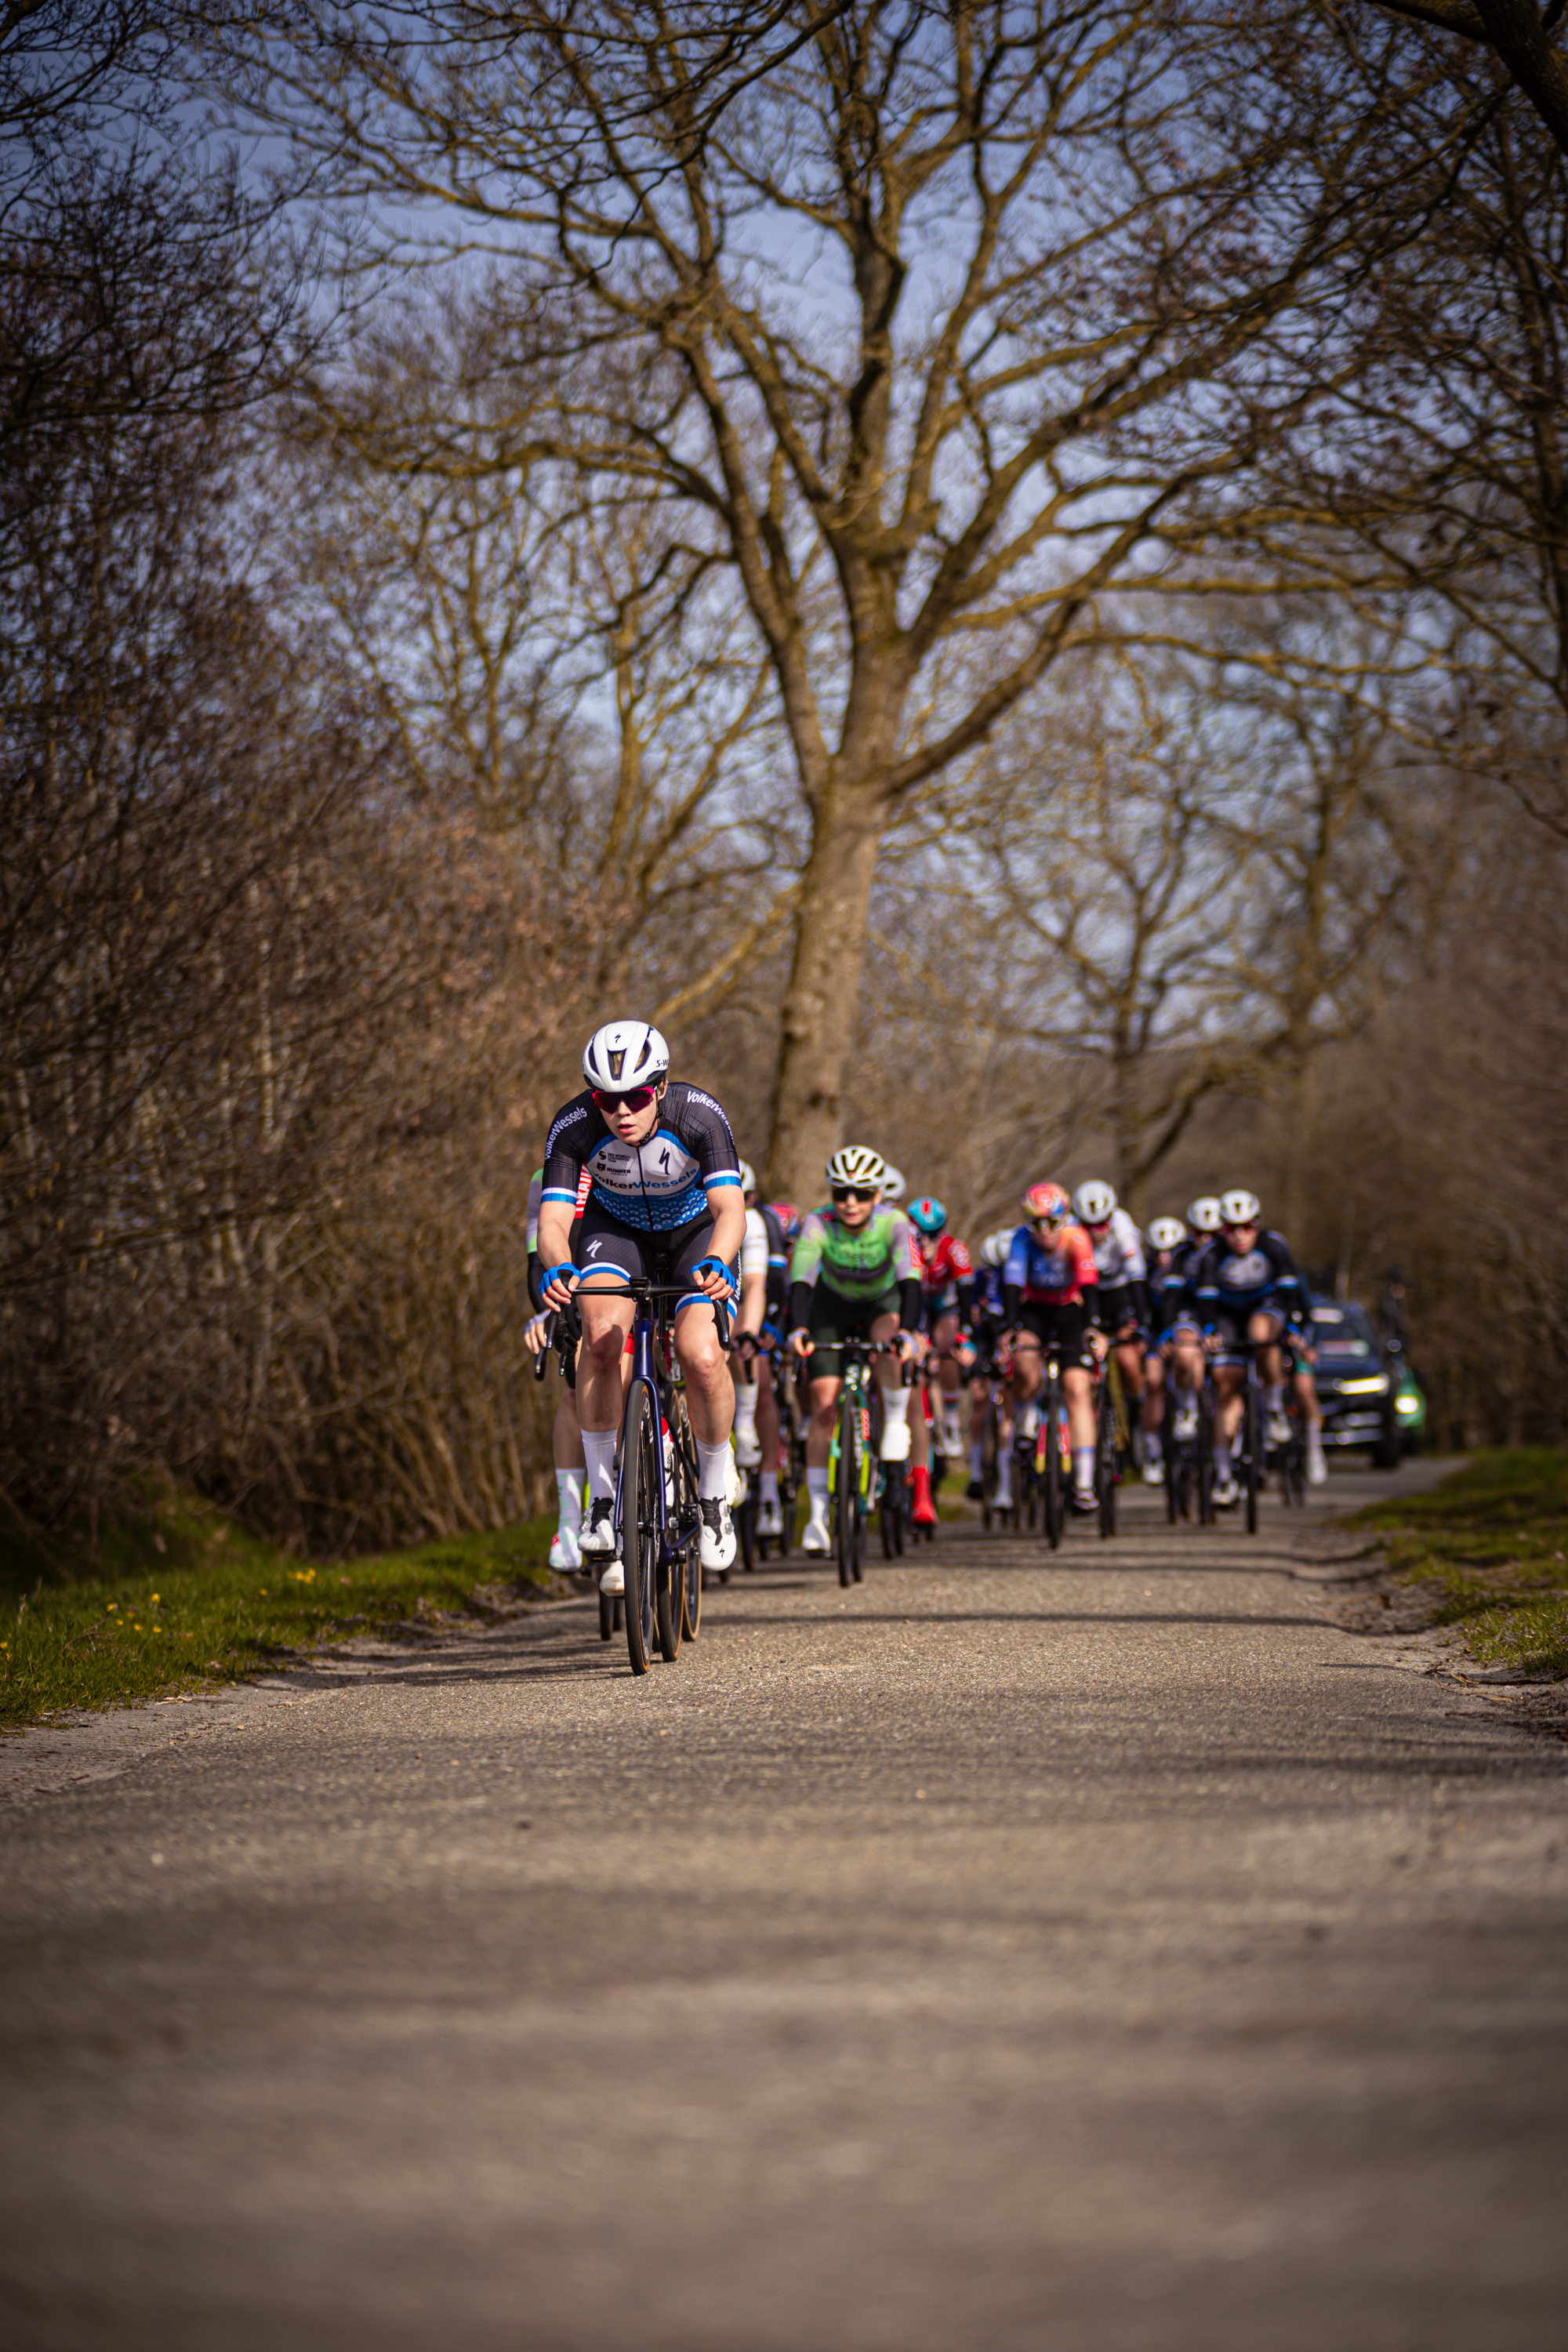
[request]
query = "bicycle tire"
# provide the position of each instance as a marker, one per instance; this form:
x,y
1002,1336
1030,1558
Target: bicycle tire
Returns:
x,y
685,1503
1106,1460
1205,1472
1251,1434
847,1480
869,1440
639,1526
607,1615
1054,1497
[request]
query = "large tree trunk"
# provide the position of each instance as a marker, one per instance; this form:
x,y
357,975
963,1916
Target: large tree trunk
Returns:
x,y
809,1119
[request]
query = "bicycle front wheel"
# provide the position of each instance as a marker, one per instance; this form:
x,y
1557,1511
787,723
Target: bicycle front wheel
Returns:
x,y
640,1466
1053,1494
683,1508
1106,1458
847,1486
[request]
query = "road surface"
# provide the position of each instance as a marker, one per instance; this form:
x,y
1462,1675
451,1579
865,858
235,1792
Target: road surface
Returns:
x,y
1097,1951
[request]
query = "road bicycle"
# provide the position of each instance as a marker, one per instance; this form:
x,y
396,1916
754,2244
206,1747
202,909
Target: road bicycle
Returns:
x,y
563,1330
657,1522
1189,1461
1112,1442
854,1472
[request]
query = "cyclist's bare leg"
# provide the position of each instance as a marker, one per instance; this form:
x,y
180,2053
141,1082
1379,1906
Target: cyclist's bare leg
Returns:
x,y
601,1387
710,1390
1028,1369
566,1435
1129,1355
1152,1411
1078,1390
824,1396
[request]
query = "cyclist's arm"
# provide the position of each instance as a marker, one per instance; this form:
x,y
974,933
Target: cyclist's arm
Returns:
x,y
729,1222
556,1219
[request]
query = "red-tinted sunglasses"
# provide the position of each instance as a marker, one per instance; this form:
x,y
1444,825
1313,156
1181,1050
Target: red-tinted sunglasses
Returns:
x,y
635,1098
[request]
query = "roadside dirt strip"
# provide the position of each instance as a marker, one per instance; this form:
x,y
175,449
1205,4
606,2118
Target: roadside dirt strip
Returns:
x,y
1104,1950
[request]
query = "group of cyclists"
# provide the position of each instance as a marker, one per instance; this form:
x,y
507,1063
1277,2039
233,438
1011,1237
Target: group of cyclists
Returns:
x,y
641,1180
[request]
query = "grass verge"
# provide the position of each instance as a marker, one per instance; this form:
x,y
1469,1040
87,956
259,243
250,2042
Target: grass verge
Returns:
x,y
1490,1547
180,1595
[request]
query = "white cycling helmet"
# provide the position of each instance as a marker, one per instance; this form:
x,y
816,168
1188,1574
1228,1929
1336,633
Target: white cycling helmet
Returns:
x,y
893,1183
1095,1202
1203,1217
858,1165
748,1176
993,1249
1167,1232
1240,1208
626,1053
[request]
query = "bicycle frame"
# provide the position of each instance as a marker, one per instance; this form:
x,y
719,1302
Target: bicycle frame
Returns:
x,y
651,1324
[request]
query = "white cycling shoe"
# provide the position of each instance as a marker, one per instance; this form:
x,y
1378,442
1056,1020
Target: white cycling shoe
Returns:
x,y
770,1518
717,1538
816,1539
614,1579
566,1551
1184,1427
1317,1468
596,1536
1276,1428
748,1453
896,1440
1227,1495
1001,1500
1153,1474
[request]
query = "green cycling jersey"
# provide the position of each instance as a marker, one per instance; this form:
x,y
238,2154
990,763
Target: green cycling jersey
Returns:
x,y
863,1265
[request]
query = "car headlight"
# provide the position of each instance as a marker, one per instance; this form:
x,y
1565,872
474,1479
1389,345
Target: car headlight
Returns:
x,y
1378,1387
1408,1404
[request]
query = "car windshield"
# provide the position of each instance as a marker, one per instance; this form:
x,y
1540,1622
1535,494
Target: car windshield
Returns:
x,y
1342,1330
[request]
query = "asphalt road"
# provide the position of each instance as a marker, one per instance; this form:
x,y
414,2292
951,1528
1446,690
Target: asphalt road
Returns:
x,y
1097,1951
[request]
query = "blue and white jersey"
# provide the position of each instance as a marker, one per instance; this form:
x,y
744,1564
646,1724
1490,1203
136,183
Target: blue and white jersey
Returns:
x,y
1225,1281
675,1177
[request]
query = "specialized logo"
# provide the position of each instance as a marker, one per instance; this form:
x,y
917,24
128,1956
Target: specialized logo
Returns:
x,y
595,1246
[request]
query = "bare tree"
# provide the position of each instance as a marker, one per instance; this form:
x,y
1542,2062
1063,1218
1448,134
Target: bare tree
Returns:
x,y
881,290
1521,34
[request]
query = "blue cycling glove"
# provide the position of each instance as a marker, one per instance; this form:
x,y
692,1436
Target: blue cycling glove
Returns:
x,y
566,1272
717,1266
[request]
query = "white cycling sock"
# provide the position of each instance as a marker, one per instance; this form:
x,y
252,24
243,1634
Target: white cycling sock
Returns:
x,y
816,1487
569,1484
1083,1468
1220,1460
1274,1396
977,1459
713,1472
599,1454
745,1410
770,1486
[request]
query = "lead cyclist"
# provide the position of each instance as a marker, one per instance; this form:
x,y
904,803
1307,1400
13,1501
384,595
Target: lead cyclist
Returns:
x,y
664,1186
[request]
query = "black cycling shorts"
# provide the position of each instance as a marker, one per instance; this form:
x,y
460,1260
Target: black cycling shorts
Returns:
x,y
600,1240
1065,1324
1117,1305
1230,1324
834,1319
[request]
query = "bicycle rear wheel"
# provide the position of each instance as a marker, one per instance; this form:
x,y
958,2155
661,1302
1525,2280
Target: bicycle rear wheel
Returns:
x,y
1251,1438
640,1466
847,1486
606,1616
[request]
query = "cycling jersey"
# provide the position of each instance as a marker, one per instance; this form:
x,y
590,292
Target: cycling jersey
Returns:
x,y
1231,1283
753,1246
778,1261
535,1188
654,1187
1119,1264
947,1275
988,1294
866,1264
1173,1300
1042,1273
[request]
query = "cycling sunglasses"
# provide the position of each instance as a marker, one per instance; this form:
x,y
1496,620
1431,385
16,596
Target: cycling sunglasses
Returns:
x,y
635,1098
1251,1226
855,1192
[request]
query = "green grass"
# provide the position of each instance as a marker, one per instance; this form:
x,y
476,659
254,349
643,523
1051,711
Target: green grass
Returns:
x,y
1490,1545
180,1595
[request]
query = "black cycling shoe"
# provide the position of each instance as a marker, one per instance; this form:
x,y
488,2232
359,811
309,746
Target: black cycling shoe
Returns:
x,y
975,1491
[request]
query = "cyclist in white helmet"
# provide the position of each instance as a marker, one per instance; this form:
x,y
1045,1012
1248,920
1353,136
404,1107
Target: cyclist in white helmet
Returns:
x,y
1246,1287
664,1201
1183,1333
853,1276
1120,1263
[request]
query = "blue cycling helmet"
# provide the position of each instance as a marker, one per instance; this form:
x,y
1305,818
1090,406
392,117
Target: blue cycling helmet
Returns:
x,y
928,1214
